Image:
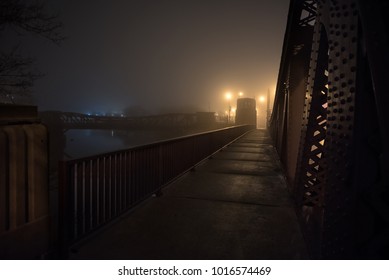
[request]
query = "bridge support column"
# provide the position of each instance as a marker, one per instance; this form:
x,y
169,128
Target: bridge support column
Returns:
x,y
24,198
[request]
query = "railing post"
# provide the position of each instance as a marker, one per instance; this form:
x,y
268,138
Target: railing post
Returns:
x,y
63,209
167,160
160,170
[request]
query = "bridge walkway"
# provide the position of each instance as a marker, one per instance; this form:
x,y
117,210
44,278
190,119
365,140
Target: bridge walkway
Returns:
x,y
233,206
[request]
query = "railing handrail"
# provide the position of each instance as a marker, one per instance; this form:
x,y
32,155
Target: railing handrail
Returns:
x,y
98,189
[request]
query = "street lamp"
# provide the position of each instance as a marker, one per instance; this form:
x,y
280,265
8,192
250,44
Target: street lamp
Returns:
x,y
263,99
233,115
228,97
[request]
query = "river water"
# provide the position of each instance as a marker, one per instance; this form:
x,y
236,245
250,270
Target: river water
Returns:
x,y
87,142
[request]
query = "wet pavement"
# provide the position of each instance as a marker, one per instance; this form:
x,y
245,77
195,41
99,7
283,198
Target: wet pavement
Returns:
x,y
234,205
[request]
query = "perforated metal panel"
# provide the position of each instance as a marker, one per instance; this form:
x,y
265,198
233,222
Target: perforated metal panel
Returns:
x,y
311,170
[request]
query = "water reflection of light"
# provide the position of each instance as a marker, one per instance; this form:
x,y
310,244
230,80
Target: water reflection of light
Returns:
x,y
112,133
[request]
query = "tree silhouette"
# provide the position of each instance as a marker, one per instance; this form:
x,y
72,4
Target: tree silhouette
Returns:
x,y
16,73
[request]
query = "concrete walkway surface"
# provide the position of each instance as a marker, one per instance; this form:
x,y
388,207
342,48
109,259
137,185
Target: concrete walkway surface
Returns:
x,y
233,206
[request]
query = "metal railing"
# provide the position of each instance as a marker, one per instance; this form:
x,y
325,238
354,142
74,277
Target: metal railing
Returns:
x,y
97,189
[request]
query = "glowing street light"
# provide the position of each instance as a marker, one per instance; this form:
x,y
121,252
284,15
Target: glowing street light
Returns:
x,y
263,99
233,114
228,97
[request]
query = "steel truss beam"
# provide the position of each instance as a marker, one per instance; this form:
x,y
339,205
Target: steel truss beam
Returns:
x,y
341,169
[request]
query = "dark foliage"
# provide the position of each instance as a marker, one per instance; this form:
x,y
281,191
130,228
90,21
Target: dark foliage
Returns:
x,y
17,75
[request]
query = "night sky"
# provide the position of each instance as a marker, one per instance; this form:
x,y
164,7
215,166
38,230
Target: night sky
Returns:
x,y
159,55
